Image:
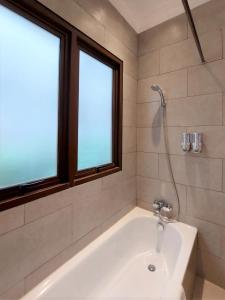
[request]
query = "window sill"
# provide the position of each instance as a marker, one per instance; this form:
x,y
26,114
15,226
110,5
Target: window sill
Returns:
x,y
34,195
96,175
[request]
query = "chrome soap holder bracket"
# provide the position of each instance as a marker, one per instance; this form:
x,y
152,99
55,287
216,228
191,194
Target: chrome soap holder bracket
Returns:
x,y
191,142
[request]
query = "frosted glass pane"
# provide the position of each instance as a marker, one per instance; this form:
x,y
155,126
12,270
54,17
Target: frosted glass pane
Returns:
x,y
29,80
95,113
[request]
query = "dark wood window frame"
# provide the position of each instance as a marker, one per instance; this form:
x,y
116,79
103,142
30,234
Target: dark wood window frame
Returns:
x,y
72,41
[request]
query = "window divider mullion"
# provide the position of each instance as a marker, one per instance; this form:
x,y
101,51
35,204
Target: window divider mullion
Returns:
x,y
73,108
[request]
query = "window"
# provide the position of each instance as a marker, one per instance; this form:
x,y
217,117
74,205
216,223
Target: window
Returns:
x,y
60,105
28,100
99,110
95,112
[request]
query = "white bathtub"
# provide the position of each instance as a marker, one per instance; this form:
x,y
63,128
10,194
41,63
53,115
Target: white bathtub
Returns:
x,y
116,264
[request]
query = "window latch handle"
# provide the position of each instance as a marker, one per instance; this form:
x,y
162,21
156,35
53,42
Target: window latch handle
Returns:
x,y
26,186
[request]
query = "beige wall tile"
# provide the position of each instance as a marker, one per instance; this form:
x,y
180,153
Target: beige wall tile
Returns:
x,y
223,243
173,84
223,37
212,52
213,140
15,292
148,65
152,139
117,47
90,212
41,273
129,164
114,199
174,140
11,219
147,164
144,205
193,171
206,79
223,175
45,206
112,180
164,171
129,113
87,215
25,249
85,190
127,193
223,109
209,235
112,20
206,205
207,290
129,139
210,15
149,189
144,91
183,54
115,218
78,245
149,114
167,33
129,88
75,15
189,111
211,267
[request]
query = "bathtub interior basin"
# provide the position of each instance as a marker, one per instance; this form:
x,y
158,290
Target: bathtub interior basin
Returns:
x,y
135,258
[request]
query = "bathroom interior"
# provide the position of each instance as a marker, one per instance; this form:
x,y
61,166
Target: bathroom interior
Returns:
x,y
112,149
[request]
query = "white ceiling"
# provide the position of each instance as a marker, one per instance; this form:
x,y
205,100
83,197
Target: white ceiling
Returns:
x,y
144,14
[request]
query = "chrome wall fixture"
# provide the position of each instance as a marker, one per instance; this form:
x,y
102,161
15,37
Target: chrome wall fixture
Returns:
x,y
186,142
191,142
164,210
196,142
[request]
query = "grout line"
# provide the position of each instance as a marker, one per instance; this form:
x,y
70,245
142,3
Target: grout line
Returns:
x,y
181,126
24,214
183,98
189,37
189,155
50,213
13,286
36,220
184,67
158,164
223,175
222,40
183,184
187,91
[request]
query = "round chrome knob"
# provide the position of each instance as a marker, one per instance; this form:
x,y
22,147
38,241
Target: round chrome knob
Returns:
x,y
167,208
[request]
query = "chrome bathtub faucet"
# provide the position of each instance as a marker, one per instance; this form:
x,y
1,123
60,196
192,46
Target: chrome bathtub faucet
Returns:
x,y
163,209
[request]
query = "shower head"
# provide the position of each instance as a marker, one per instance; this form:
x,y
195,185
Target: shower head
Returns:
x,y
157,88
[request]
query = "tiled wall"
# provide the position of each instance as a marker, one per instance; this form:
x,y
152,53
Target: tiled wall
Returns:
x,y
195,102
38,237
